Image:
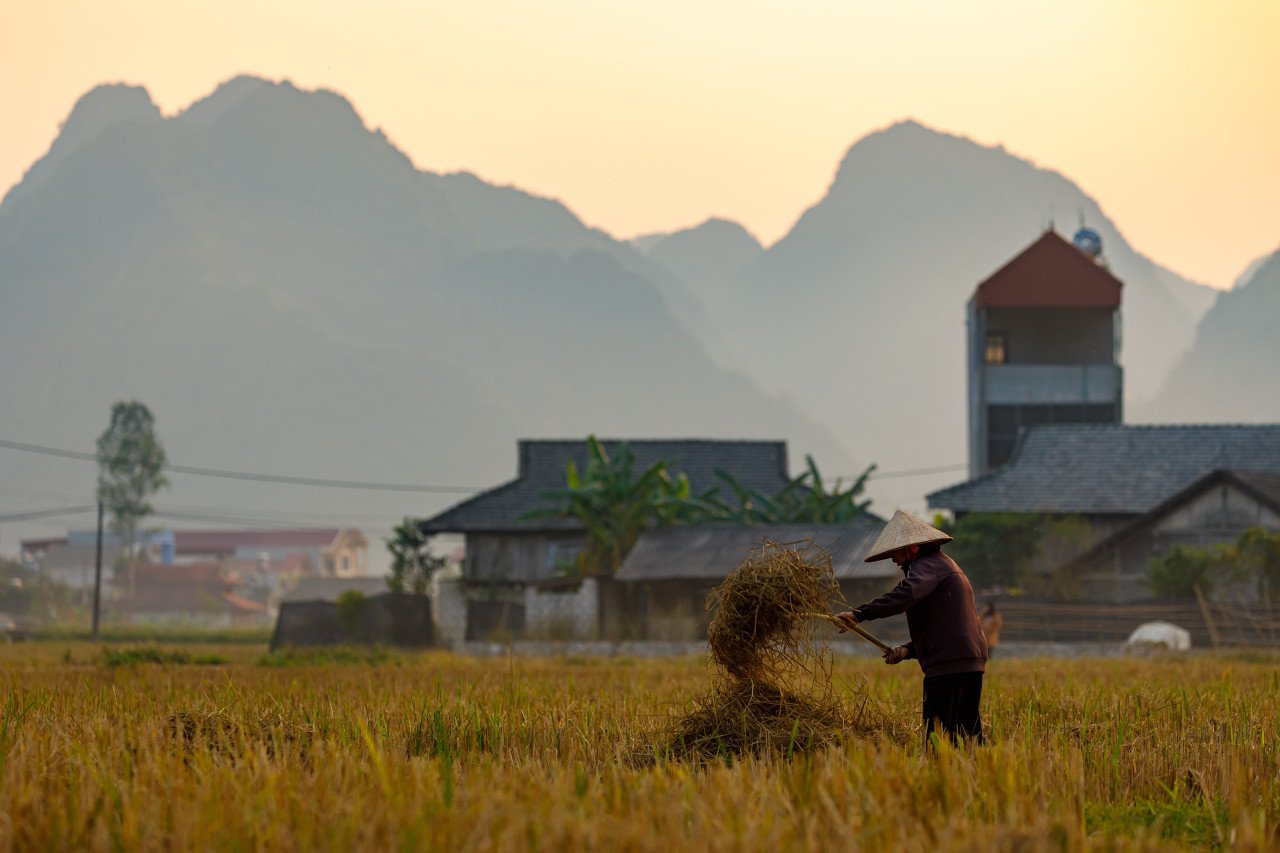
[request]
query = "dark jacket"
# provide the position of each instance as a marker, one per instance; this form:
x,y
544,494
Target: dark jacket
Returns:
x,y
946,633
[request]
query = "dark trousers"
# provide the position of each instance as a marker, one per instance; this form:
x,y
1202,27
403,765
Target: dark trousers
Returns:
x,y
951,705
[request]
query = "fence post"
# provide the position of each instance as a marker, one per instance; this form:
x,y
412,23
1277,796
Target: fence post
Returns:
x,y
1204,613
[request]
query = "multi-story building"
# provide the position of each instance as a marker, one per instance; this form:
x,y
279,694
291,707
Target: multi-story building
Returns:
x,y
1043,346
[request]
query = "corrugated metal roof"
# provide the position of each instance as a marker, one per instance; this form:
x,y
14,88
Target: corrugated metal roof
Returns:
x,y
756,464
711,551
1050,273
1111,468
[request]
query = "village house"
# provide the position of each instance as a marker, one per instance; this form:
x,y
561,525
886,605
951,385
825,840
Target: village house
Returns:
x,y
1045,391
519,576
1106,479
1213,510
672,569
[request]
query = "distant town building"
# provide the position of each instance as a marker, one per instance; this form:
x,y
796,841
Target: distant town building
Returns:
x,y
189,594
261,565
1043,346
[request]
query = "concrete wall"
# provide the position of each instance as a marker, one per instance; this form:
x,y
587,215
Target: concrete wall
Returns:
x,y
449,607
675,610
563,612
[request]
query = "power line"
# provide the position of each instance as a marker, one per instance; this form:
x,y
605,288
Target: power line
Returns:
x,y
48,513
916,472
320,482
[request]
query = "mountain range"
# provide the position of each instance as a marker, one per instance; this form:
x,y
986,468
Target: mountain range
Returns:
x,y
290,294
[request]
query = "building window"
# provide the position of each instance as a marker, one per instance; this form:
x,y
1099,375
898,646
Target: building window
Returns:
x,y
346,564
562,557
997,348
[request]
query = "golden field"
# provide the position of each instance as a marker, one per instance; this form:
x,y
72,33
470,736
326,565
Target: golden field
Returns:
x,y
222,747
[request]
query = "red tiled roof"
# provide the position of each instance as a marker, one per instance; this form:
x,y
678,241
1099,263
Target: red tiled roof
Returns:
x,y
179,574
292,563
227,541
239,602
1050,273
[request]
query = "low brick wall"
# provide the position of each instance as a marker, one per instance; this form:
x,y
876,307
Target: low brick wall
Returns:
x,y
842,648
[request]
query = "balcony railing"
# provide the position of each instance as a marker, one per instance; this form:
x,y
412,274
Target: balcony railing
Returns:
x,y
1021,384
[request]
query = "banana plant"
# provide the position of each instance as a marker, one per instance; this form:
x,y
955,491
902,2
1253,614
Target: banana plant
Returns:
x,y
803,500
615,505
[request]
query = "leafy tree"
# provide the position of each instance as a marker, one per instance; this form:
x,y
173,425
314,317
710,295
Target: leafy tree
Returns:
x,y
1255,556
351,609
615,505
130,465
412,563
994,548
1179,572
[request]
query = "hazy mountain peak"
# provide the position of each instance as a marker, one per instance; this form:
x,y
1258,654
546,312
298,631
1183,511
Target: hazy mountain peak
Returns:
x,y
259,99
714,229
726,229
105,105
101,107
228,95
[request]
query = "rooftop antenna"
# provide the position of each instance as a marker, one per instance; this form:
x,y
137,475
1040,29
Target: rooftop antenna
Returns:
x,y
1050,217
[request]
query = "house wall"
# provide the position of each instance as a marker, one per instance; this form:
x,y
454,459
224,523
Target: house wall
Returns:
x,y
449,606
1055,335
1216,516
674,610
520,557
563,612
349,556
221,619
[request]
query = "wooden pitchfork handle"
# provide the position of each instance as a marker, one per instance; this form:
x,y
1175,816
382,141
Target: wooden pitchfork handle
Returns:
x,y
857,629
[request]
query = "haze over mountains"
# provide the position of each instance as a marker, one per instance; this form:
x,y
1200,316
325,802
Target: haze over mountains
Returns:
x,y
1229,373
290,295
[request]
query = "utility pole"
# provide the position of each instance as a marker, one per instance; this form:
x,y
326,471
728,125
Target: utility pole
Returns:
x,y
97,575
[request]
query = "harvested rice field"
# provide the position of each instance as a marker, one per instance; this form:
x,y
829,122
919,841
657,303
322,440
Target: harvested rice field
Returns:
x,y
222,747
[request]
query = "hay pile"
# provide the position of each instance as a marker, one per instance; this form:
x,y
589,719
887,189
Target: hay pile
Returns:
x,y
233,737
771,690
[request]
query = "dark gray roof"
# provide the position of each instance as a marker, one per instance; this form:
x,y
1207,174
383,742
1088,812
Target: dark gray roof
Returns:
x,y
710,551
1264,484
1111,468
756,464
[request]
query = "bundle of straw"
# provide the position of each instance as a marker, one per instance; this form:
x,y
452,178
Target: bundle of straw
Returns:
x,y
771,684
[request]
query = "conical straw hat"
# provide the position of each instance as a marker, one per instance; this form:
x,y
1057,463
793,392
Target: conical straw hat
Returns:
x,y
902,530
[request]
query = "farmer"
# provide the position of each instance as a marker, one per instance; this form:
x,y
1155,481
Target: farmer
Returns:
x,y
946,636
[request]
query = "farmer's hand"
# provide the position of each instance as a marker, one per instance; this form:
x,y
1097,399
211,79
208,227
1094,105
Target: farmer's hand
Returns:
x,y
847,620
895,655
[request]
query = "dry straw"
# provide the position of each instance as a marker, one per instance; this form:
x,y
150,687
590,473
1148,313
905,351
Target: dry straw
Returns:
x,y
771,689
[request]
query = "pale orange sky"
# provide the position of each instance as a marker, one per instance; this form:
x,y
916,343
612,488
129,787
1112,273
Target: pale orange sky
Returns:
x,y
653,116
